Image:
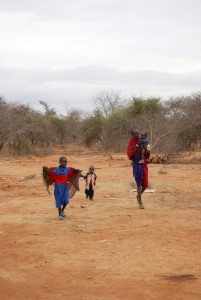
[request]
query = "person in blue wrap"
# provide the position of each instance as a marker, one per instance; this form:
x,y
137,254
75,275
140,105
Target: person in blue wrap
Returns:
x,y
60,175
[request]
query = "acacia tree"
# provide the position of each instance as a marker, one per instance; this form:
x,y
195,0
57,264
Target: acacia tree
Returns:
x,y
186,112
108,102
92,128
149,116
107,124
21,139
49,111
6,122
74,124
115,131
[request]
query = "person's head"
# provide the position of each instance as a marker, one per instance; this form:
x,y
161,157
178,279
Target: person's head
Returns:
x,y
144,135
144,140
135,133
63,161
91,169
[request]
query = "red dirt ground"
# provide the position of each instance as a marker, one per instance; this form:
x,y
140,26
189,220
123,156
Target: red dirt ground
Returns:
x,y
106,249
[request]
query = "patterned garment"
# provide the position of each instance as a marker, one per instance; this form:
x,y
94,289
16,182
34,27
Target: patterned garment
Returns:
x,y
90,179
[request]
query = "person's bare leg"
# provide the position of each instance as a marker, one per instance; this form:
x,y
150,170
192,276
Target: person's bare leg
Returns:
x,y
139,198
64,206
59,210
62,210
142,191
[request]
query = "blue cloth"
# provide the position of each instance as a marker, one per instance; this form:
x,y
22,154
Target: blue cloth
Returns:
x,y
144,142
138,170
61,189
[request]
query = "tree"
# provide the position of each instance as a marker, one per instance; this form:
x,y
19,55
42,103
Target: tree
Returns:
x,y
108,102
186,112
115,132
48,110
92,129
149,115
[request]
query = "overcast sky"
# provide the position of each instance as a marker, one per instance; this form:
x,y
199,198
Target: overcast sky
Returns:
x,y
66,51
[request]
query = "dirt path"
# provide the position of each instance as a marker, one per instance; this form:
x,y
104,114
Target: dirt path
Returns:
x,y
106,249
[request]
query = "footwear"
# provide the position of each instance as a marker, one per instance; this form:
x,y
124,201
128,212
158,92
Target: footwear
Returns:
x,y
60,218
63,214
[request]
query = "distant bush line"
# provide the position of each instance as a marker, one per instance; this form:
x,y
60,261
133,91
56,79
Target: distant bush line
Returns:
x,y
173,126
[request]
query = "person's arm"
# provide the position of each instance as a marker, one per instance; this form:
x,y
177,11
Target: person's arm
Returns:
x,y
85,177
137,146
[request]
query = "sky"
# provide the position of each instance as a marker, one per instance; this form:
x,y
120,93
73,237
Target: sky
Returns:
x,y
65,52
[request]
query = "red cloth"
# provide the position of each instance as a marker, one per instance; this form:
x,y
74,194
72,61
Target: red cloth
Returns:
x,y
131,146
145,175
62,179
52,178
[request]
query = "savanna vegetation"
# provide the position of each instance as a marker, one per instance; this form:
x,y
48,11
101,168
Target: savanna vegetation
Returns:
x,y
173,126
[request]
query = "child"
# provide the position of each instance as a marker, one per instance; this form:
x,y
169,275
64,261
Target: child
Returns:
x,y
90,179
144,144
60,176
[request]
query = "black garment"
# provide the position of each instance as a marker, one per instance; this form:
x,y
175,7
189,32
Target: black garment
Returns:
x,y
89,193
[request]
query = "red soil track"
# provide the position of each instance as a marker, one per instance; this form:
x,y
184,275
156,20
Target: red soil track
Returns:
x,y
106,249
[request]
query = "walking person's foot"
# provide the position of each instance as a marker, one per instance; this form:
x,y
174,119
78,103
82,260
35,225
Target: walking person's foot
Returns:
x,y
63,214
141,206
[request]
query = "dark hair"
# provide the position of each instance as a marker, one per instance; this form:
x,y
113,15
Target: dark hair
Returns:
x,y
62,158
135,130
